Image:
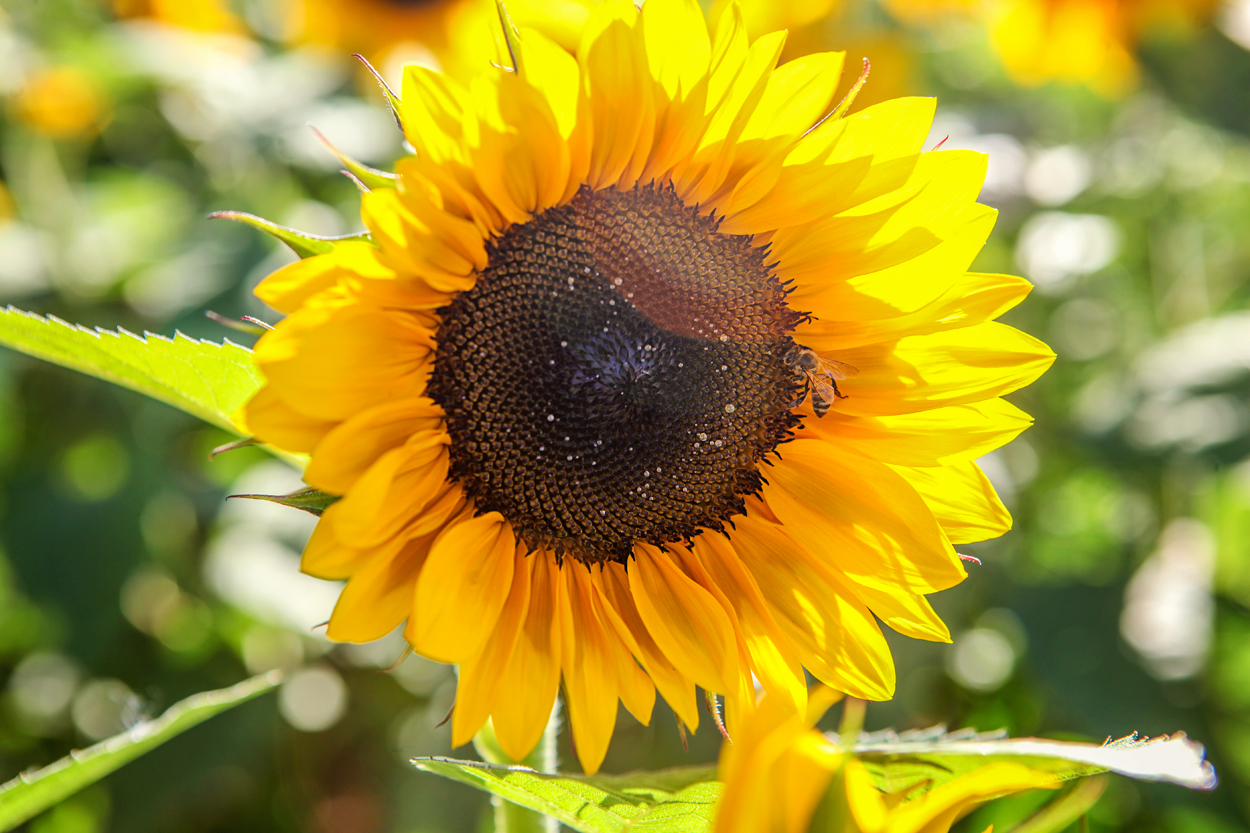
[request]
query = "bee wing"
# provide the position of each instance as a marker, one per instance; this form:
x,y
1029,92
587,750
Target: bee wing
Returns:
x,y
838,370
823,387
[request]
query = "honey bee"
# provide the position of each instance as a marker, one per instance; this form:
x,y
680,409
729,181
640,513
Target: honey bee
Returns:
x,y
819,377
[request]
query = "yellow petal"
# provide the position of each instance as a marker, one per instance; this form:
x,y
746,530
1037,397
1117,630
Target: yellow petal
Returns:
x,y
394,490
837,637
336,362
861,516
907,613
926,438
478,687
462,588
940,807
554,72
775,773
679,53
916,373
269,418
972,299
589,669
287,289
686,621
773,658
520,160
702,178
433,110
378,596
621,611
888,130
456,188
434,245
828,171
614,66
863,798
962,499
740,697
348,450
865,234
636,689
328,558
677,44
798,93
729,51
532,675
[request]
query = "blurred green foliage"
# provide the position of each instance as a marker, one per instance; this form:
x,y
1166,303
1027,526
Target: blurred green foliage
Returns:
x,y
1120,602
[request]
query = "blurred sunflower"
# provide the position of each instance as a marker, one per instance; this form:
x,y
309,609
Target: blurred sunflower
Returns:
x,y
603,294
1081,41
197,15
816,25
457,36
62,102
761,16
780,773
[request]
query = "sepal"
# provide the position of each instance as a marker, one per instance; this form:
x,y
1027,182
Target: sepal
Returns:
x,y
310,500
302,243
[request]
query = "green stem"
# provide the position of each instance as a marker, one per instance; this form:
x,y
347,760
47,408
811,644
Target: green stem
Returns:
x,y
509,817
852,722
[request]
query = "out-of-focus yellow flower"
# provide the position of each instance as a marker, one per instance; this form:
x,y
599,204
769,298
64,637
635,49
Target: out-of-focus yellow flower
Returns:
x,y
457,36
62,102
763,16
1077,41
832,24
196,15
779,770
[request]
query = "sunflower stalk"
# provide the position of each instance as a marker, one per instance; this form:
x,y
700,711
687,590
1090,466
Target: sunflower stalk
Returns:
x,y
853,710
509,817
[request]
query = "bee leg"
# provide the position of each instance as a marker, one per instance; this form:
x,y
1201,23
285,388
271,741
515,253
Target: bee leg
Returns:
x,y
798,400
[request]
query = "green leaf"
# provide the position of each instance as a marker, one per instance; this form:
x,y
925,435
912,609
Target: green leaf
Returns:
x,y
310,500
32,793
203,378
689,811
899,761
670,801
302,243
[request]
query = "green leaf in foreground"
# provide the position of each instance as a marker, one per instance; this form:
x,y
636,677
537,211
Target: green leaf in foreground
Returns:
x,y
684,800
898,761
32,792
672,801
209,380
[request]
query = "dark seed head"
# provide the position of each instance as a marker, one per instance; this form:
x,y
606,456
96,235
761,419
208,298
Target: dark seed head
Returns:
x,y
616,375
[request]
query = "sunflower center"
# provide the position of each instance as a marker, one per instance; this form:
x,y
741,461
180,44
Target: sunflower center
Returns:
x,y
616,374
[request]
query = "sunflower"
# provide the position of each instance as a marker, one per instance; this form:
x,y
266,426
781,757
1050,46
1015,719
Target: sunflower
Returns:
x,y
567,389
1078,41
781,770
